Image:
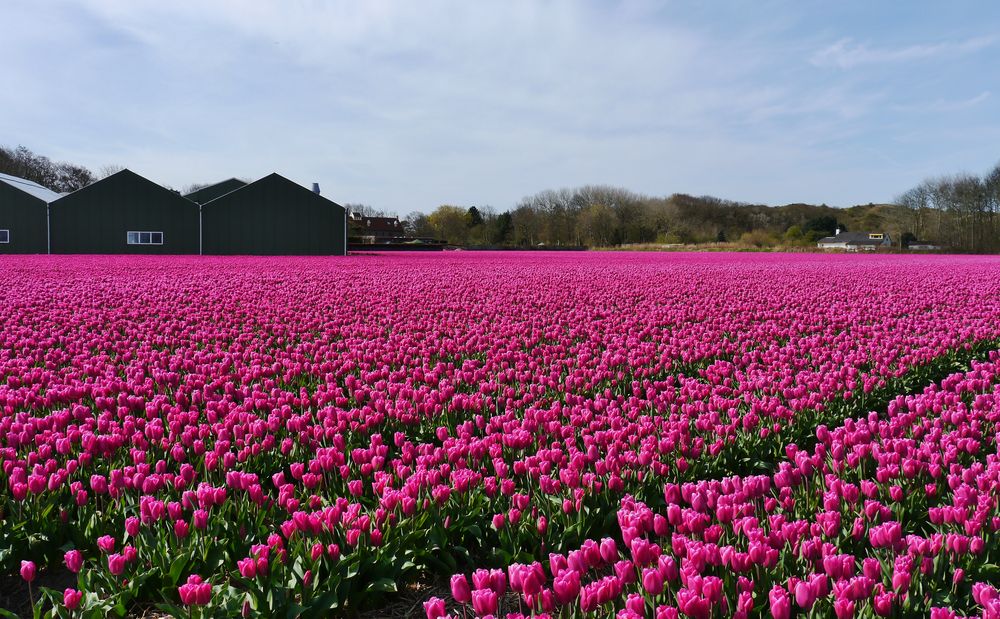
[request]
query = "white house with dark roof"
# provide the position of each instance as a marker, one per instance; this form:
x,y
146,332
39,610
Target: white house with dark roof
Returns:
x,y
856,241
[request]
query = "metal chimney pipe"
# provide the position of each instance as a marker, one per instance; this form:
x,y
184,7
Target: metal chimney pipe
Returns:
x,y
316,188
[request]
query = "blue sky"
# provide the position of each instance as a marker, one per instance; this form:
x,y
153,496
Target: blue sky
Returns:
x,y
408,105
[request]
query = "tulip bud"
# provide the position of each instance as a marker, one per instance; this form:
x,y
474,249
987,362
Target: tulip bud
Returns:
x,y
28,570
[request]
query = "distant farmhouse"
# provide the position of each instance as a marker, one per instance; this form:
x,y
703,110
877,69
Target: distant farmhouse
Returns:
x,y
387,233
856,241
372,230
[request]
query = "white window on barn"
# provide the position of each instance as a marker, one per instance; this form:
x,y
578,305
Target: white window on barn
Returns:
x,y
144,238
4,236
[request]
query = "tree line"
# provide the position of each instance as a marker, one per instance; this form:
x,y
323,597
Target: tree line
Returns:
x,y
960,212
604,216
59,176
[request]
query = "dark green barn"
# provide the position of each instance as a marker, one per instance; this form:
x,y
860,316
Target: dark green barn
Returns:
x,y
23,226
274,216
124,214
210,192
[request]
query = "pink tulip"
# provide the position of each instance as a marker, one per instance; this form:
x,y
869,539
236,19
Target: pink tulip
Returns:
x,y
484,602
883,604
28,571
460,589
434,608
566,587
116,564
73,560
72,598
106,543
652,581
247,567
195,592
843,608
780,606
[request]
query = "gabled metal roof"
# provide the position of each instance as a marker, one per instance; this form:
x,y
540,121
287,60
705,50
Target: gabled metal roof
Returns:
x,y
30,187
215,190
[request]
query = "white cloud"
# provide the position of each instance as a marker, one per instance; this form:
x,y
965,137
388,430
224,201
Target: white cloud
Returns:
x,y
847,54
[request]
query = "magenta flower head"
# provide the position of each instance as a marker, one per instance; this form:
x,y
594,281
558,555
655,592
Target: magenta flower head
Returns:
x,y
200,519
247,567
667,612
542,525
434,608
636,604
652,581
781,607
609,550
116,564
958,576
28,570
805,595
566,586
460,589
106,543
71,598
195,592
73,560
484,602
531,581
844,608
498,581
883,604
625,571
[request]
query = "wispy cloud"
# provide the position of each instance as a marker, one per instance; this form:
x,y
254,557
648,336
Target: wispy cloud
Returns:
x,y
847,54
944,105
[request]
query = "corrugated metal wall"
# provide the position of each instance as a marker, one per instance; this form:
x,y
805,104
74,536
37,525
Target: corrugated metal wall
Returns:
x,y
24,216
273,216
95,219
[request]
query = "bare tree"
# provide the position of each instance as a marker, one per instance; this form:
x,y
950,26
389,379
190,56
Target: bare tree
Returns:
x,y
72,177
991,187
110,169
365,210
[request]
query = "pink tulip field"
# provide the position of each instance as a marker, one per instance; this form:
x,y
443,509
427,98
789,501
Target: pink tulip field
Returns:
x,y
523,434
